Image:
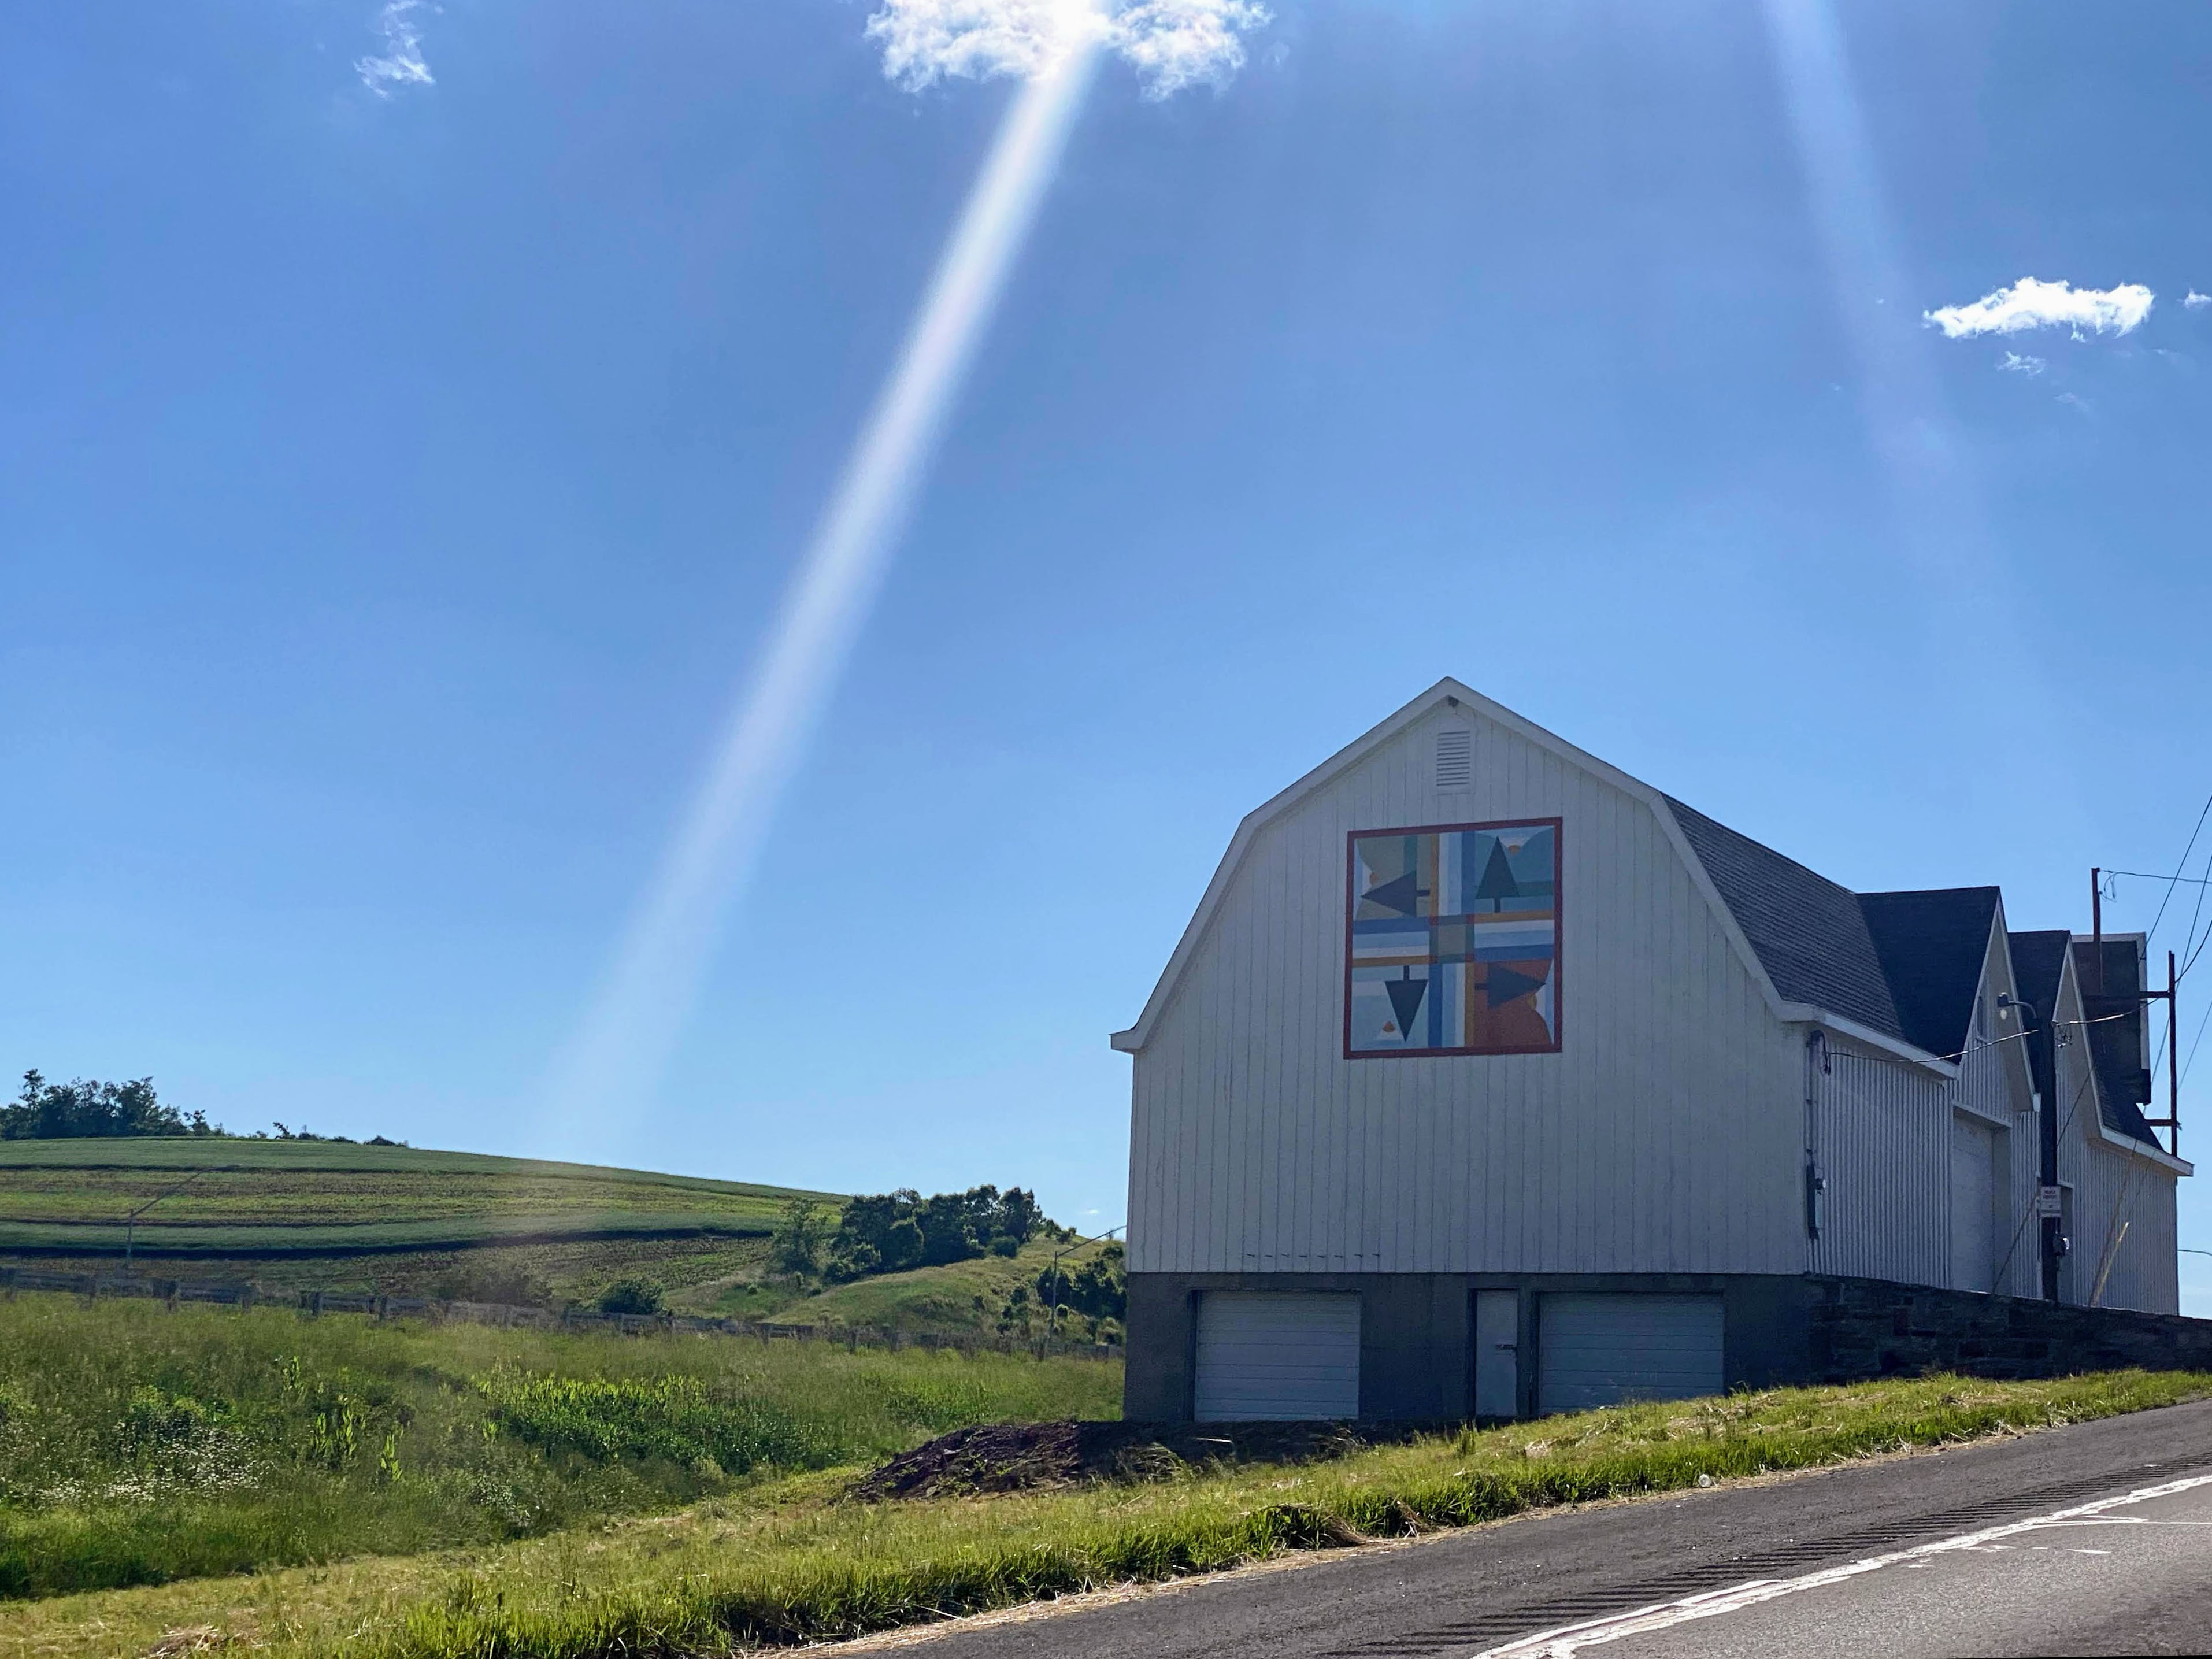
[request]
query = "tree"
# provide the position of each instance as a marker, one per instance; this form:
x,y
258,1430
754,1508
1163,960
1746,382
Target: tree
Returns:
x,y
1098,1289
886,1232
82,1110
801,1235
631,1296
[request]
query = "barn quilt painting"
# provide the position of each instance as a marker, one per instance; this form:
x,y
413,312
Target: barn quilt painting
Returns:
x,y
1452,941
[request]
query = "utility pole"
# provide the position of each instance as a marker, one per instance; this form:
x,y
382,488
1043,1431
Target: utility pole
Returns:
x,y
1052,1319
131,1221
2036,1030
2143,995
2171,1121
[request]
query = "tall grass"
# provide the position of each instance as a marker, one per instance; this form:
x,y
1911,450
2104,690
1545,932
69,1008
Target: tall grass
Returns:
x,y
794,1558
139,1445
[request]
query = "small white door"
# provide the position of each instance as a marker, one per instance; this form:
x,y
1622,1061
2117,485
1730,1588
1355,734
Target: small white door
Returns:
x,y
1289,1356
1594,1350
1973,1204
1496,1353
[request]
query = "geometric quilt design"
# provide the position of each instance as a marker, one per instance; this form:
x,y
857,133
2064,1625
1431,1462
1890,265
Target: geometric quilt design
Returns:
x,y
1452,941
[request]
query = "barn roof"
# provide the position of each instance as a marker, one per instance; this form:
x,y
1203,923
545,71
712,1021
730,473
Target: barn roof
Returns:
x,y
1809,933
2039,964
1905,964
2038,961
2115,1044
1901,967
1933,946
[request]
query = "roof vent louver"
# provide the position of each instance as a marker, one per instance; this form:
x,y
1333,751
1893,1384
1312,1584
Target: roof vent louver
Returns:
x,y
1455,757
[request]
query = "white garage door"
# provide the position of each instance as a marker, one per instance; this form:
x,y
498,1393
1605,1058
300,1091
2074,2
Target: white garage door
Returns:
x,y
1973,1204
1602,1350
1288,1355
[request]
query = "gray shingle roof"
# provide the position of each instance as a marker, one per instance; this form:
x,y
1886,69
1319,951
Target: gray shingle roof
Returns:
x,y
2037,960
1905,964
1809,933
1933,945
2116,1045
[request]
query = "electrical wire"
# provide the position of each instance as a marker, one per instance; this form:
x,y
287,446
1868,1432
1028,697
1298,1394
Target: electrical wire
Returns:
x,y
1979,1046
2194,1042
2180,868
2088,1068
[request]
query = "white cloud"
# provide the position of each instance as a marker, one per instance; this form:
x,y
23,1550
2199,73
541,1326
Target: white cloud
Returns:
x,y
2029,303
401,62
2195,300
1171,44
2013,363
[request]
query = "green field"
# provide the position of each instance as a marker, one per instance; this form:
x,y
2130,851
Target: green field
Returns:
x,y
393,1220
308,1197
139,1444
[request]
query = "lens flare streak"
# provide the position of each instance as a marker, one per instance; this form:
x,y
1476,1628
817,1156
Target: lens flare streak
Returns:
x,y
624,1042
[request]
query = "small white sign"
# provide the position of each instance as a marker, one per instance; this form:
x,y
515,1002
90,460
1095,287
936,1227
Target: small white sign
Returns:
x,y
2047,1202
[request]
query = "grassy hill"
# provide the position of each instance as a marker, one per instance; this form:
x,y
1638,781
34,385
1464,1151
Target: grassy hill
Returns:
x,y
394,1218
290,1195
398,1220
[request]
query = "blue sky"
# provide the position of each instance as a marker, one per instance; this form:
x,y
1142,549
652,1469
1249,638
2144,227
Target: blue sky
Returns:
x,y
398,481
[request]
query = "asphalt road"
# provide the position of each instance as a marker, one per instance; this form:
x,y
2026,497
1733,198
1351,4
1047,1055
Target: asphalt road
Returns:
x,y
1958,1574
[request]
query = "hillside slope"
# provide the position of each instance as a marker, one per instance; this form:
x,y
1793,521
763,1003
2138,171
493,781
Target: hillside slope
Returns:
x,y
394,1218
404,1221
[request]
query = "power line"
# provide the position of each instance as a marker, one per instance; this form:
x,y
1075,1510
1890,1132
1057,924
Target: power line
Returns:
x,y
2088,1068
2195,1041
2178,868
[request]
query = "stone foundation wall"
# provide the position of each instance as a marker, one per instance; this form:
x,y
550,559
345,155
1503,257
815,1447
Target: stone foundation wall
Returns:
x,y
1867,1328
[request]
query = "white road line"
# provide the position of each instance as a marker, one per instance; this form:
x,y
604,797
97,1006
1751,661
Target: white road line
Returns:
x,y
1568,1639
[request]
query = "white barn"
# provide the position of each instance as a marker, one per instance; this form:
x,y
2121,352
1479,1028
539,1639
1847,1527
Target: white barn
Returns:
x,y
1487,1080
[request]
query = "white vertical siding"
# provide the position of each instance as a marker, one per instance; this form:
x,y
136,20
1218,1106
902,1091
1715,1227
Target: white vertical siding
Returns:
x,y
1664,1137
2113,1187
1882,1138
1996,1084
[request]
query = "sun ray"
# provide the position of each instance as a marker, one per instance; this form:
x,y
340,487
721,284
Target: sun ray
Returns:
x,y
620,1048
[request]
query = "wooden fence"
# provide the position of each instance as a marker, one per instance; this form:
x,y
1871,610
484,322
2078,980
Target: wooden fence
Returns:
x,y
313,1304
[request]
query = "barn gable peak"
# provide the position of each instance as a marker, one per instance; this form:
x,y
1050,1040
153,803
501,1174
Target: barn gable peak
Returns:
x,y
1446,695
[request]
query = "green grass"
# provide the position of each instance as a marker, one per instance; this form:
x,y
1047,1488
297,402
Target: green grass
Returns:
x,y
960,1298
323,1196
792,1560
400,1221
139,1445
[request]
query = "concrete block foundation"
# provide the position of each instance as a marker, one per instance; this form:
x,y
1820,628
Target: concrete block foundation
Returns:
x,y
1416,1361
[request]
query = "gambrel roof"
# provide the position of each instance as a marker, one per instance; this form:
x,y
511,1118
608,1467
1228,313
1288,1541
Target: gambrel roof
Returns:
x,y
1898,969
1809,932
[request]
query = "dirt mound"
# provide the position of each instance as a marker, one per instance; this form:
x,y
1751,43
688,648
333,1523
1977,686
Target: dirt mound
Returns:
x,y
1024,1456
